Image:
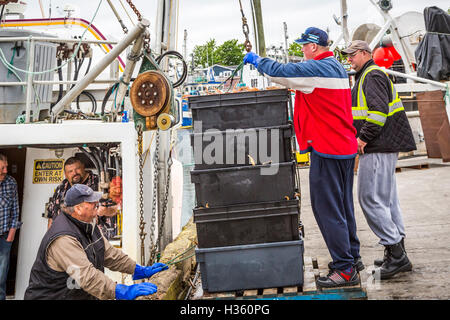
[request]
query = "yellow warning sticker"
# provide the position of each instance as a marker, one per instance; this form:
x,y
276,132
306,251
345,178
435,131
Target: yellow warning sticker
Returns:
x,y
48,171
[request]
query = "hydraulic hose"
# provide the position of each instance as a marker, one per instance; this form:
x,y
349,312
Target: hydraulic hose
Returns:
x,y
185,68
97,157
107,95
61,87
91,97
93,160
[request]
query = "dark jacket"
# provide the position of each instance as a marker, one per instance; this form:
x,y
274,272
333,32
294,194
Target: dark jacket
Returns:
x,y
396,134
46,283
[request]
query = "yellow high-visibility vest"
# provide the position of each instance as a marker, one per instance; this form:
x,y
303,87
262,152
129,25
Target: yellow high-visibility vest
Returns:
x,y
362,112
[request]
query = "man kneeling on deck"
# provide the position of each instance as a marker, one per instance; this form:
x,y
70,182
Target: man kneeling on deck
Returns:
x,y
73,253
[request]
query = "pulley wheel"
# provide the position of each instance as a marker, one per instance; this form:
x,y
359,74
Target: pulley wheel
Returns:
x,y
165,121
150,93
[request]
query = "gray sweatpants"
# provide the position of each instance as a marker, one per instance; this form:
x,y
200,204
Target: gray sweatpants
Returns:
x,y
377,195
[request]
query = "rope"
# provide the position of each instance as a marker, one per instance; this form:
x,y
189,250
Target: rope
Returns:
x,y
239,67
439,33
10,66
172,261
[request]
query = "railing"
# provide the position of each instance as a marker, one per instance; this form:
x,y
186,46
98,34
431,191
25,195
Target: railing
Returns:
x,y
30,82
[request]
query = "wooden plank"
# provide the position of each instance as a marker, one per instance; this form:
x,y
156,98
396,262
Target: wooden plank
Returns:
x,y
413,166
207,295
225,295
270,292
250,294
290,291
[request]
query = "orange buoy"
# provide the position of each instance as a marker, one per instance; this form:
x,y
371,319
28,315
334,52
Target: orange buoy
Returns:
x,y
383,57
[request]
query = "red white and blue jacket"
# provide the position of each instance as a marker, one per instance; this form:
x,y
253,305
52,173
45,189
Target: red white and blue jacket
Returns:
x,y
323,118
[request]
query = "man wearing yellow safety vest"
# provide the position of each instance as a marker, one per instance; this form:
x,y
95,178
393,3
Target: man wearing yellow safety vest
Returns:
x,y
383,131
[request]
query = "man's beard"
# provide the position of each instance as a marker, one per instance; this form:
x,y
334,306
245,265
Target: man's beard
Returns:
x,y
76,179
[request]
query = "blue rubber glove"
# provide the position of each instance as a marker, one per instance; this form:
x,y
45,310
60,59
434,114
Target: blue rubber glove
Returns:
x,y
124,292
252,58
141,272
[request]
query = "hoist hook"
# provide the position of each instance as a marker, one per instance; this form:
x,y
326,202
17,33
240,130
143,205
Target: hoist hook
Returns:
x,y
245,30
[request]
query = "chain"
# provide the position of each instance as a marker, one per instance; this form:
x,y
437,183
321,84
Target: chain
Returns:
x,y
146,45
165,201
142,234
154,200
136,11
166,193
245,30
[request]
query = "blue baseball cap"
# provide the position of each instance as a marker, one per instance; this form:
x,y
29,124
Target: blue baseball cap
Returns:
x,y
80,193
313,35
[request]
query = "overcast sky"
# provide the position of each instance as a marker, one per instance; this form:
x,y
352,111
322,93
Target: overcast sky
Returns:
x,y
221,19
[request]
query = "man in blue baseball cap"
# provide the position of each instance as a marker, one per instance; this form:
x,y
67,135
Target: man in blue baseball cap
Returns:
x,y
313,35
323,125
73,254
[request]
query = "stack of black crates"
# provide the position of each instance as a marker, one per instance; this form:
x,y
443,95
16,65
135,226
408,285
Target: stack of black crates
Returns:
x,y
247,212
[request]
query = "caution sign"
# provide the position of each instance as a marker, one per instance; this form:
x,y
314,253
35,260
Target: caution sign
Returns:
x,y
48,171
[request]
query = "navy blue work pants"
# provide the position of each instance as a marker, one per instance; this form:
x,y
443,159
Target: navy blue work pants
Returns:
x,y
331,190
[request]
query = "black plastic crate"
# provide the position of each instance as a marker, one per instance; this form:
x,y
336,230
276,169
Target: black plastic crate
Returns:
x,y
244,184
242,110
231,148
254,266
247,224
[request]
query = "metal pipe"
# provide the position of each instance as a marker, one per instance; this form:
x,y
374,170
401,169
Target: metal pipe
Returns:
x,y
132,59
435,83
55,40
97,69
124,28
29,81
344,18
67,82
159,26
416,78
286,47
412,114
392,26
10,84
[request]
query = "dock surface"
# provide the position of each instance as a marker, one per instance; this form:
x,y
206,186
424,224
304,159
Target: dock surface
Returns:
x,y
425,200
424,192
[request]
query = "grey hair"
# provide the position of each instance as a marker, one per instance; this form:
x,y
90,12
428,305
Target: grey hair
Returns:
x,y
67,209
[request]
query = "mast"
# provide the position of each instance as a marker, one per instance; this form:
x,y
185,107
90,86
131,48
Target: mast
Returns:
x,y
256,8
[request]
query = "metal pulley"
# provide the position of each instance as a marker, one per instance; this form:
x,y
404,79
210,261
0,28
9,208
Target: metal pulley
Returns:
x,y
150,96
165,121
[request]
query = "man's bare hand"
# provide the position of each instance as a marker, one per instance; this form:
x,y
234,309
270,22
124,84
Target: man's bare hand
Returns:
x,y
107,211
361,145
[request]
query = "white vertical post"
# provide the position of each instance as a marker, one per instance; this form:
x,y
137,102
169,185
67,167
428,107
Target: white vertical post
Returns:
x,y
344,18
29,81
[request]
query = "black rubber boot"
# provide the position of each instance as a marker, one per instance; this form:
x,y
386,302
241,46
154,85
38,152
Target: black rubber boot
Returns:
x,y
358,265
379,262
396,261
